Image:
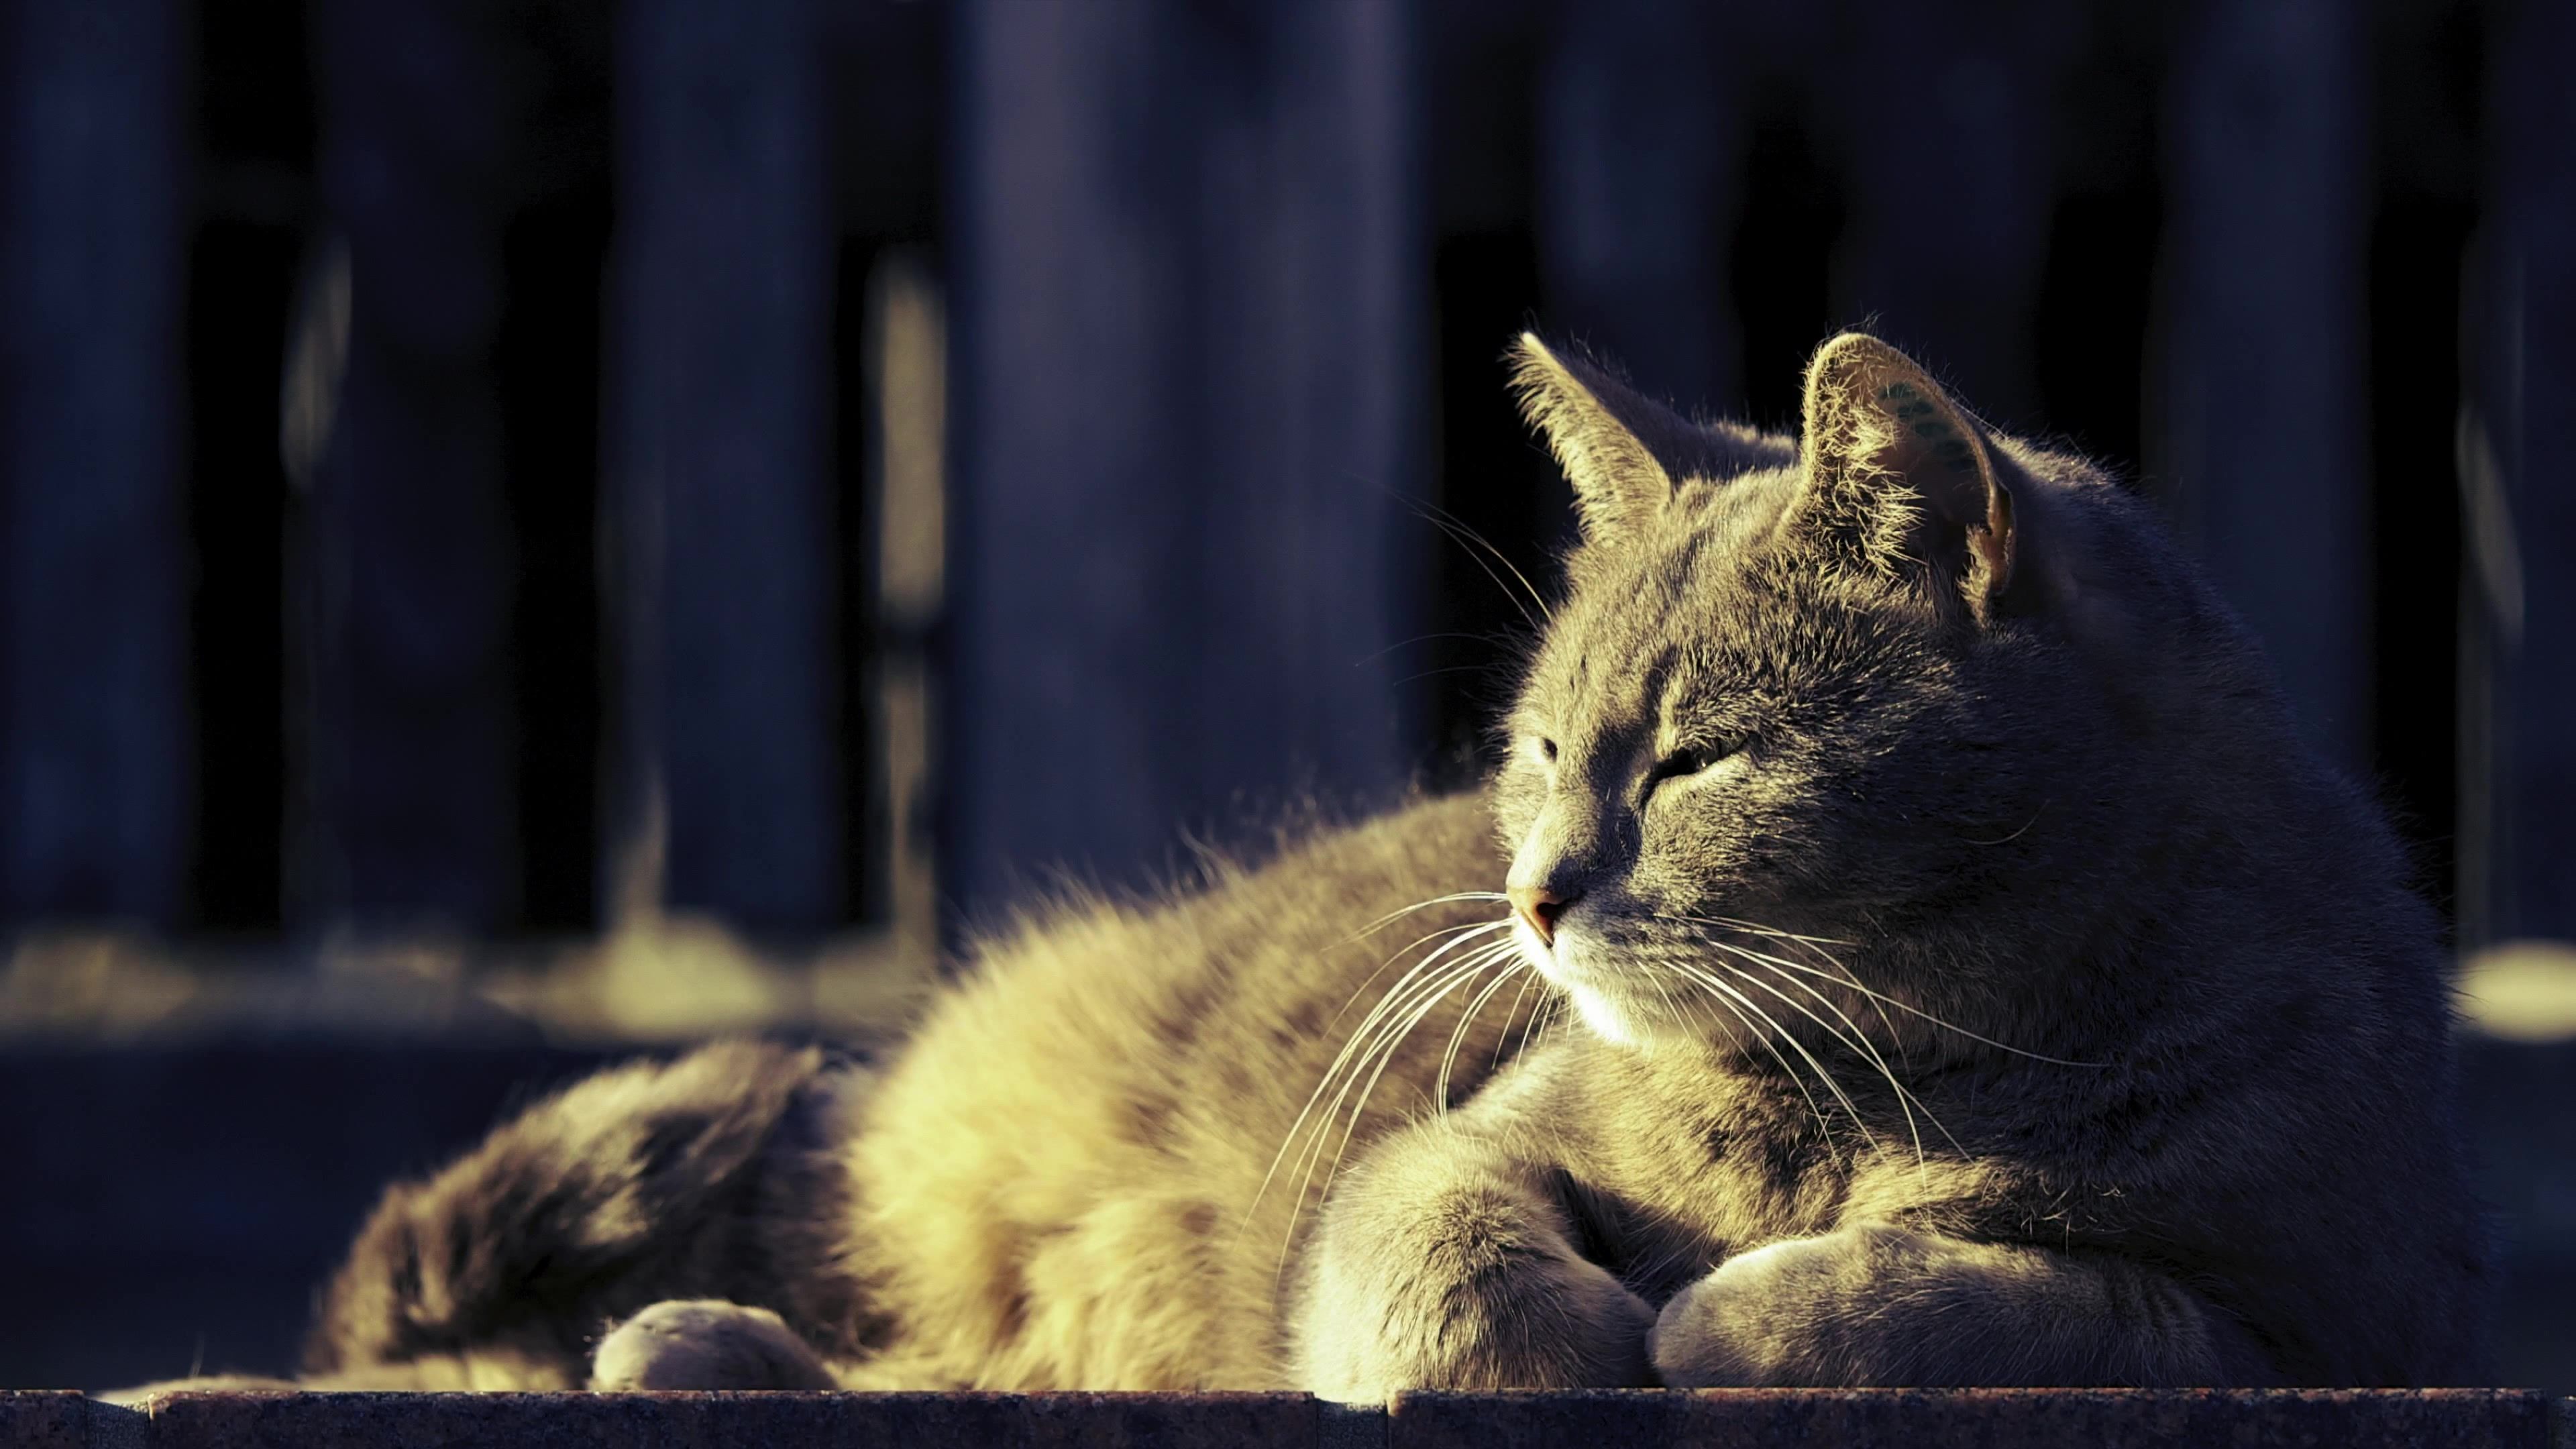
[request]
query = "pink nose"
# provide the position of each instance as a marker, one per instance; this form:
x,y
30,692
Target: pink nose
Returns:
x,y
1540,907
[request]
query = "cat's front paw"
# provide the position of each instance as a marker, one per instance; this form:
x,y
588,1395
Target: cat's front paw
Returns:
x,y
1750,1323
1374,1325
1872,1304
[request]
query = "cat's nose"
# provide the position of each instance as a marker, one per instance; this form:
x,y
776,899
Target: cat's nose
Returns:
x,y
1540,907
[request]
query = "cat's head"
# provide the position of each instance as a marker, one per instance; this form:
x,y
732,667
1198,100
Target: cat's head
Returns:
x,y
1862,685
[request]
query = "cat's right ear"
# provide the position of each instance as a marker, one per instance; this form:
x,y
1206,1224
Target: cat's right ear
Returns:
x,y
1624,452
1902,480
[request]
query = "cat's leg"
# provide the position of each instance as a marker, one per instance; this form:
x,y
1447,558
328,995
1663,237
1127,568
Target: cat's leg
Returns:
x,y
696,1178
1440,1261
1883,1306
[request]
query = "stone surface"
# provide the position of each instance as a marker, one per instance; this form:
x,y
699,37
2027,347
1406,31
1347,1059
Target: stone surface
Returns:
x,y
538,1421
727,1421
1979,1419
41,1420
1607,1418
1154,1421
1350,1426
1736,1418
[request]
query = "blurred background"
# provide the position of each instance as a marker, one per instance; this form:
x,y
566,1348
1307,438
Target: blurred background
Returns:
x,y
531,529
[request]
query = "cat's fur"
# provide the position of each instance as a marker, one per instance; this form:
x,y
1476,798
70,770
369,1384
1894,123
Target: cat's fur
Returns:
x,y
1908,754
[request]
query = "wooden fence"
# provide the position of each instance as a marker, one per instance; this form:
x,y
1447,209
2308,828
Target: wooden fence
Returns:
x,y
608,557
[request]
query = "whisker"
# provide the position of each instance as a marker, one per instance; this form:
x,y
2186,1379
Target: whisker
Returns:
x,y
1458,936
1360,1036
1759,929
1534,1035
1823,1076
1841,973
1711,990
1814,945
1419,1005
2018,834
1467,932
1389,1040
1473,638
1421,674
1389,1037
1846,979
1419,990
1496,897
1503,1037
1859,1038
1713,1020
1458,532
1906,1100
1456,536
1671,1011
1467,1018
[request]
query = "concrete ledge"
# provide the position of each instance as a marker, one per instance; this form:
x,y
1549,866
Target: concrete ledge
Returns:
x,y
1739,1418
46,1421
1983,1419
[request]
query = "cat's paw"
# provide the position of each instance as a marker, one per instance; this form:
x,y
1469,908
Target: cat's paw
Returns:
x,y
1544,1320
1747,1324
1814,1312
706,1344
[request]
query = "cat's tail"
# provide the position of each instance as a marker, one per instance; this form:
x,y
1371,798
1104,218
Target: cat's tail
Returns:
x,y
714,1175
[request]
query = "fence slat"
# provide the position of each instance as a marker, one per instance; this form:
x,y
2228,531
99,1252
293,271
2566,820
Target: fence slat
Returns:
x,y
411,733
2518,486
93,768
2264,389
1640,163
723,333
1188,283
1946,120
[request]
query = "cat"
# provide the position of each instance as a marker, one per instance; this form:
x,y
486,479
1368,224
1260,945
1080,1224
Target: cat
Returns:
x,y
1925,955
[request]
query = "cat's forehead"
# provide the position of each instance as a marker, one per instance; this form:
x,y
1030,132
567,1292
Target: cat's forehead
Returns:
x,y
1691,590
1713,543
1735,517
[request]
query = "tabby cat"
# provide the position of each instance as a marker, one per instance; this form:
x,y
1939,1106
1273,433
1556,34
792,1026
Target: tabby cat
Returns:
x,y
1926,955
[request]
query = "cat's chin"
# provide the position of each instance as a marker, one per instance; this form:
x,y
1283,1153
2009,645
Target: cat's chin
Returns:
x,y
1573,966
1607,1019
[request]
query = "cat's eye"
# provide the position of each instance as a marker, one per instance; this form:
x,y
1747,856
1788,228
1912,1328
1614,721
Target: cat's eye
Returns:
x,y
1691,759
1547,750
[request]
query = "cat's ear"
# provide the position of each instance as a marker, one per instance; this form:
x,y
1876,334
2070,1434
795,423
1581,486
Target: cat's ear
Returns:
x,y
1900,477
1624,452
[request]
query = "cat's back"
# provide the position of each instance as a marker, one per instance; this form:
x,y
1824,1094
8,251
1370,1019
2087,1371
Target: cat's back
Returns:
x,y
1062,1177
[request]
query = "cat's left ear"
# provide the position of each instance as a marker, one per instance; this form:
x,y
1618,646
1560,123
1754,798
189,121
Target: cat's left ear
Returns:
x,y
1902,478
1623,451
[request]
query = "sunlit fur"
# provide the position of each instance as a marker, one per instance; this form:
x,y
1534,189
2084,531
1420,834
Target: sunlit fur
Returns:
x,y
2002,995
